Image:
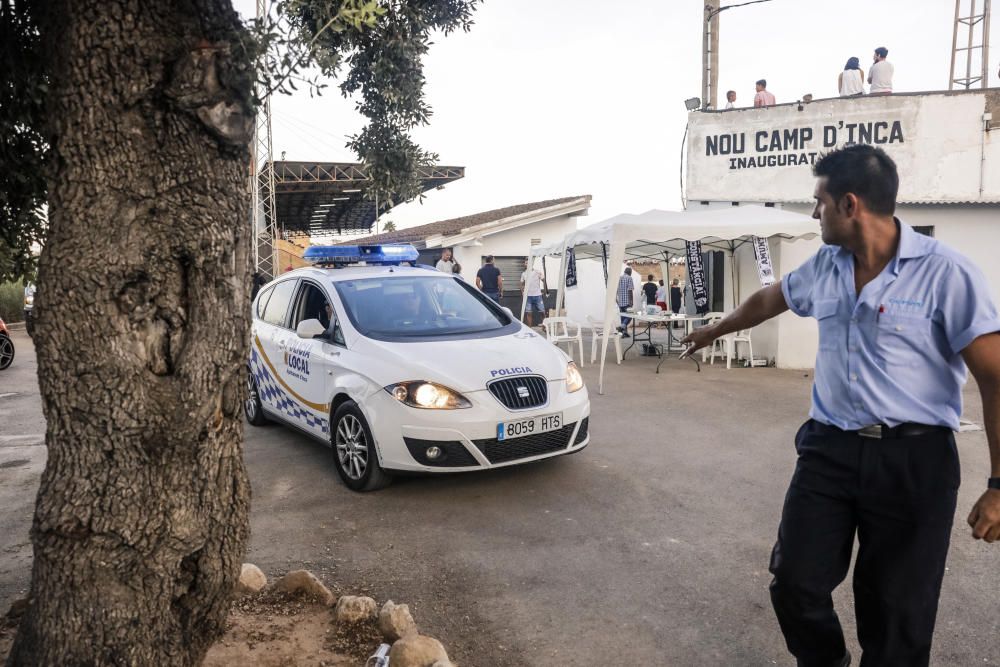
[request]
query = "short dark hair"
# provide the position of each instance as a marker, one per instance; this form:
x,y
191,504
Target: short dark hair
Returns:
x,y
882,52
628,270
489,259
762,82
649,277
867,172
730,92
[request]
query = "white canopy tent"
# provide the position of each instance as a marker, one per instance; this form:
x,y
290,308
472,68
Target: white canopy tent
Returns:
x,y
660,235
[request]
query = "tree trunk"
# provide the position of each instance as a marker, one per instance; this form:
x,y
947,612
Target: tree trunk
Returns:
x,y
141,518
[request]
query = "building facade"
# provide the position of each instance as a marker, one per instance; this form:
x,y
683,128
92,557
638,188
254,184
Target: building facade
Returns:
x,y
945,144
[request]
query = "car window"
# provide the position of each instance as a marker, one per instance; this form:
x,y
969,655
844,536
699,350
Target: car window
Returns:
x,y
414,307
313,304
277,305
262,301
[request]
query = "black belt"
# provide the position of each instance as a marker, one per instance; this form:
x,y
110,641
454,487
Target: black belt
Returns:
x,y
907,430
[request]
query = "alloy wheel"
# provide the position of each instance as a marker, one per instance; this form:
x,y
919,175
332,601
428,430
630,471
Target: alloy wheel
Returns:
x,y
352,448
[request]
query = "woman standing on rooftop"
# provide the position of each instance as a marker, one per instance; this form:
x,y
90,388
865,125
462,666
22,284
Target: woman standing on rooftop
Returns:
x,y
851,81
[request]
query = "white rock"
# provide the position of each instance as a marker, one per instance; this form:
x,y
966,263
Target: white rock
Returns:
x,y
418,651
252,580
355,608
395,621
305,583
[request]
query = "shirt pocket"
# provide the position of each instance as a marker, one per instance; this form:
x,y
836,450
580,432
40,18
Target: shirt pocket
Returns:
x,y
830,328
903,341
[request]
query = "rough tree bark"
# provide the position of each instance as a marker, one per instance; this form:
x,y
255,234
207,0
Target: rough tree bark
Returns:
x,y
141,519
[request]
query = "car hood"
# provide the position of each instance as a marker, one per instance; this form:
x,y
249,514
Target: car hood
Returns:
x,y
465,365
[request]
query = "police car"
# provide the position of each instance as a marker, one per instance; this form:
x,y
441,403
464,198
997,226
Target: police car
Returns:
x,y
407,369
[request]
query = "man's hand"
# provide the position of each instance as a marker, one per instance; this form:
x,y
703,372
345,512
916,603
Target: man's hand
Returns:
x,y
985,516
698,339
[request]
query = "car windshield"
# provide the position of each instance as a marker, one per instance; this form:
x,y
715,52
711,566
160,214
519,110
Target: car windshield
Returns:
x,y
411,307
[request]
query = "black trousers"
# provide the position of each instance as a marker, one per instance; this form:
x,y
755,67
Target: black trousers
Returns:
x,y
899,496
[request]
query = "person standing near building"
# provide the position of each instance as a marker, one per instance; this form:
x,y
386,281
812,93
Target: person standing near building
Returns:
x,y
489,280
649,290
624,298
661,297
676,296
763,98
880,75
533,285
447,263
730,99
851,82
901,316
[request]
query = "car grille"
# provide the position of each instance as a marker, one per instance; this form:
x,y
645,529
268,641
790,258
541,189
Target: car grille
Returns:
x,y
509,391
501,451
453,453
582,434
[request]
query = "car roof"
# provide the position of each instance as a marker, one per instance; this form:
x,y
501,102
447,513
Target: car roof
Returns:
x,y
335,275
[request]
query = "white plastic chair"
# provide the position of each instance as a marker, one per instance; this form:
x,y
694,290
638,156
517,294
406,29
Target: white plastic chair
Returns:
x,y
564,330
729,346
712,318
597,336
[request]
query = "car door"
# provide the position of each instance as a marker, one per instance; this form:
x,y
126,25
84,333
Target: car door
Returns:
x,y
270,336
309,361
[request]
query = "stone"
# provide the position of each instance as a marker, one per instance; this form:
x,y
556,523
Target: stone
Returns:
x,y
355,608
418,651
395,621
252,580
305,583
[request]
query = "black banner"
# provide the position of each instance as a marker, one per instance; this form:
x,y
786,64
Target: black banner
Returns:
x,y
696,276
570,268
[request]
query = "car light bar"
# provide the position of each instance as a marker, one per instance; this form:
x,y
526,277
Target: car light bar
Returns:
x,y
383,255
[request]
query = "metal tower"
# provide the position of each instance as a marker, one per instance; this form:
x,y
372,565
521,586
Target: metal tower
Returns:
x,y
975,25
265,228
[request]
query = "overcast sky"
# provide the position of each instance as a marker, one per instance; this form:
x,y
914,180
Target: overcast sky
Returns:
x,y
553,98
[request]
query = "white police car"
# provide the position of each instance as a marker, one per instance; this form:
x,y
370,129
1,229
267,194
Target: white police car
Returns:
x,y
402,368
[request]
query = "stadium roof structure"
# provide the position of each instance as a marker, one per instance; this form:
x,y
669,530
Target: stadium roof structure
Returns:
x,y
328,198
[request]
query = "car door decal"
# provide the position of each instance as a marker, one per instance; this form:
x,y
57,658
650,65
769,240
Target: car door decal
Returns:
x,y
282,396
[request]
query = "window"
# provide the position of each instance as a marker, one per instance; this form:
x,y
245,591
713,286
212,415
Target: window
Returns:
x,y
262,302
511,269
277,304
313,304
418,307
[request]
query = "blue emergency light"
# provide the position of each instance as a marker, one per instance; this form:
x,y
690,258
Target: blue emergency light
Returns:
x,y
381,255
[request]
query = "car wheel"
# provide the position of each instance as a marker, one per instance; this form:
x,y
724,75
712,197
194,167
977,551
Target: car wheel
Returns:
x,y
6,351
252,407
354,450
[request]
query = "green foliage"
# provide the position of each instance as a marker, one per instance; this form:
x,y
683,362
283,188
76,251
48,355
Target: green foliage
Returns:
x,y
389,226
23,152
11,302
381,42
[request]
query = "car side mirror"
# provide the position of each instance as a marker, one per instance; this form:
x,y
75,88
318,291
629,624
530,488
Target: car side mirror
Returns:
x,y
509,312
309,329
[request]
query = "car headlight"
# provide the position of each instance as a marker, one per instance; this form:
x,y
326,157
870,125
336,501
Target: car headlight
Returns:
x,y
574,381
427,395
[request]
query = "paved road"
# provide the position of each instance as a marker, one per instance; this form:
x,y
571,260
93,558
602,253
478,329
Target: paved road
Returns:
x,y
649,547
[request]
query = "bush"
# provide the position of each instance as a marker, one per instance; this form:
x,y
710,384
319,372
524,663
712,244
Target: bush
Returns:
x,y
11,302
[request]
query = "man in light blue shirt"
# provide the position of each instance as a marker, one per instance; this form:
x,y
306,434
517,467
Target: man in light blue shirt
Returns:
x,y
900,318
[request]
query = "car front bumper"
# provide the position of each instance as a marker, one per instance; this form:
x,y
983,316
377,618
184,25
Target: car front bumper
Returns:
x,y
467,438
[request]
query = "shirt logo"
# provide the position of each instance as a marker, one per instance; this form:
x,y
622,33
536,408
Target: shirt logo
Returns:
x,y
907,303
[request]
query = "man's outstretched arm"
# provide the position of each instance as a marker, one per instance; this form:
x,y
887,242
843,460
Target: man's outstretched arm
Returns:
x,y
982,356
760,307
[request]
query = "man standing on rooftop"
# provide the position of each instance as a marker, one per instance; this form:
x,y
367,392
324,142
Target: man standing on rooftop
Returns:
x,y
763,98
901,316
880,75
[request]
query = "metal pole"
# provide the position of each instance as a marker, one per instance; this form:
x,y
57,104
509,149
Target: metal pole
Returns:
x,y
954,46
710,54
968,53
986,44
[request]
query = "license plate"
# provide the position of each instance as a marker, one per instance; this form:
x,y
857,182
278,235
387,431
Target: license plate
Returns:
x,y
523,427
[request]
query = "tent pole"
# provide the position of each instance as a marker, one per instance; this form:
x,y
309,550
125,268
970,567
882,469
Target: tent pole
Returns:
x,y
610,305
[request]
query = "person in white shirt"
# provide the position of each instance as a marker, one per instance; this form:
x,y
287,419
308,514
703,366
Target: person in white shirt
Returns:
x,y
532,286
851,81
730,99
446,264
880,75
